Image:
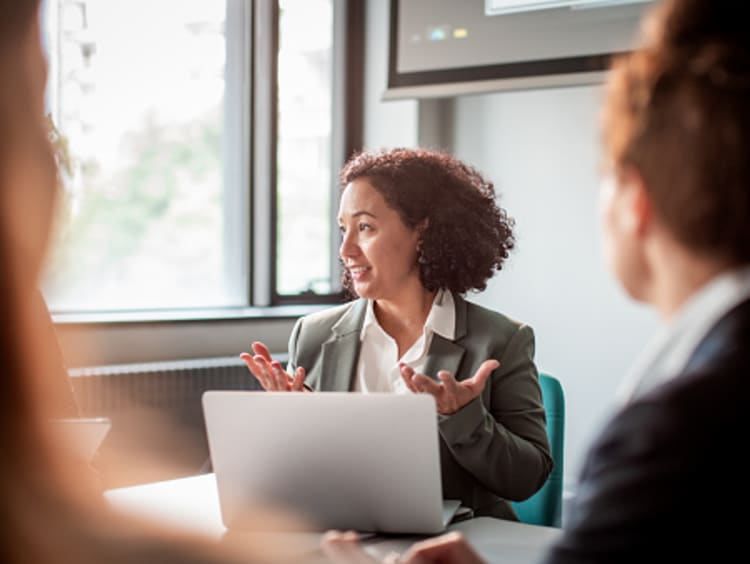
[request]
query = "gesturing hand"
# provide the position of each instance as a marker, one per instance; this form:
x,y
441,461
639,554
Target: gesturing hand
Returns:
x,y
449,394
269,373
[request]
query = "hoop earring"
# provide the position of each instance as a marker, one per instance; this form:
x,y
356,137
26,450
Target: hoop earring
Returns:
x,y
420,254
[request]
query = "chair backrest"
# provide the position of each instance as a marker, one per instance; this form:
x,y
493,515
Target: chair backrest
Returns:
x,y
545,506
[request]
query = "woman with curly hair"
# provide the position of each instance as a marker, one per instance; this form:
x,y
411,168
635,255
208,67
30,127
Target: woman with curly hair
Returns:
x,y
664,475
419,230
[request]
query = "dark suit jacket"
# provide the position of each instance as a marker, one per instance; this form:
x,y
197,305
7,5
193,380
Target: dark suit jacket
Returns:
x,y
667,479
495,448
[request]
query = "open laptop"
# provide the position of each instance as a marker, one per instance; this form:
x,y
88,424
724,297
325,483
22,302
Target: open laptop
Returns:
x,y
348,461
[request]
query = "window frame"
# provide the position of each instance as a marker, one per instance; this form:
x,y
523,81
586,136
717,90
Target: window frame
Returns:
x,y
95,337
348,110
256,21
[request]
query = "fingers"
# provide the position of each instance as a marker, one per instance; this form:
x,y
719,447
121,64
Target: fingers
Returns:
x,y
282,380
426,385
451,386
419,383
270,374
262,350
406,373
267,379
256,370
298,384
344,547
478,381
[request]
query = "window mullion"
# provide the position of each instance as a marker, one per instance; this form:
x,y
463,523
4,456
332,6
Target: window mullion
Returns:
x,y
265,50
236,152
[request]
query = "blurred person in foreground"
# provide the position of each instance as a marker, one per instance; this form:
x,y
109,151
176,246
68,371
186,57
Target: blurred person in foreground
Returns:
x,y
666,478
419,230
49,511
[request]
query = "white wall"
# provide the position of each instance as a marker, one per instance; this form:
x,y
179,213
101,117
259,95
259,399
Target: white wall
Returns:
x,y
540,147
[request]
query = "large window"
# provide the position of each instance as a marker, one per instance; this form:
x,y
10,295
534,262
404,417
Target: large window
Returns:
x,y
303,260
157,102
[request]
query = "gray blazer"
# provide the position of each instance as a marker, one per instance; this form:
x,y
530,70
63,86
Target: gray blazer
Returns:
x,y
492,450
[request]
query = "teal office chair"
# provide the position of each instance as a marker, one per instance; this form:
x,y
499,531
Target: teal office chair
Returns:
x,y
545,506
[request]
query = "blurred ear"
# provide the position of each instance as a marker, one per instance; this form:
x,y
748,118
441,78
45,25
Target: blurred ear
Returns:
x,y
638,210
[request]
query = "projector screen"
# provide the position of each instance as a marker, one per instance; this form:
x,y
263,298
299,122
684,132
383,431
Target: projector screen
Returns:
x,y
450,47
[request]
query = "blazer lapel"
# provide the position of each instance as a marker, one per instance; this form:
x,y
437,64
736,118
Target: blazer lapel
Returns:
x,y
341,353
445,354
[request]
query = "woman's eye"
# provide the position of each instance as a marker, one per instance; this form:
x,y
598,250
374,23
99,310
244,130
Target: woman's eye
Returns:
x,y
365,227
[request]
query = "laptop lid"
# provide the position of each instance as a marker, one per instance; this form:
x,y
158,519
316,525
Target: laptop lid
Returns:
x,y
367,462
84,434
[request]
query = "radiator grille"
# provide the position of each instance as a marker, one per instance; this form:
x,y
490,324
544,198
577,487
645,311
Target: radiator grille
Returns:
x,y
165,393
106,390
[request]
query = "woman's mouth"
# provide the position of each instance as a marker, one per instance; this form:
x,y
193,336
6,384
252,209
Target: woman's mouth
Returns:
x,y
358,272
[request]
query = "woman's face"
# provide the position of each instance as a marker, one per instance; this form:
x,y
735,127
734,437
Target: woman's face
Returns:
x,y
377,248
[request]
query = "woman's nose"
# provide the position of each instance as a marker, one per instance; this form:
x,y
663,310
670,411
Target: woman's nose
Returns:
x,y
348,246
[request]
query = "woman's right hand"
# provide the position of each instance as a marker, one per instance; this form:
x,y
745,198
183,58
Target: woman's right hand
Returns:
x,y
269,373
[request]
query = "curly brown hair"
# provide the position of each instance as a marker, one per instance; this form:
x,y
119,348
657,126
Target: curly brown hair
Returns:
x,y
467,235
678,111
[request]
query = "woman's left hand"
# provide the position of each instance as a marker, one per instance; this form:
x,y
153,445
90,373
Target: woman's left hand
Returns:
x,y
449,394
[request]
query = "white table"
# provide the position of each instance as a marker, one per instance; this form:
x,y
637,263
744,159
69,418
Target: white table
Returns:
x,y
193,504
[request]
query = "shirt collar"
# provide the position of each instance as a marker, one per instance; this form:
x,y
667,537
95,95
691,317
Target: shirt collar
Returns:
x,y
442,316
669,352
440,320
370,319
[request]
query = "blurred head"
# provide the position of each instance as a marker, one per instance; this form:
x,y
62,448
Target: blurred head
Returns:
x,y
27,186
27,168
676,130
444,225
34,471
50,509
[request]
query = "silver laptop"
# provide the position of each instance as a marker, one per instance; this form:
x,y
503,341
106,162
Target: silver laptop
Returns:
x,y
365,462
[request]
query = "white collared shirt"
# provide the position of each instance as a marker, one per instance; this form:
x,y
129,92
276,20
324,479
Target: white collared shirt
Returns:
x,y
377,367
669,352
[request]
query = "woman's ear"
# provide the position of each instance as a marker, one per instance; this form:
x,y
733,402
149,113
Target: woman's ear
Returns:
x,y
637,211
